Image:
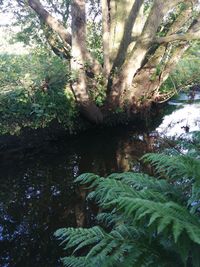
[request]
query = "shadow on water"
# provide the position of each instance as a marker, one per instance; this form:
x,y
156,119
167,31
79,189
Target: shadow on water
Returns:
x,y
38,195
37,191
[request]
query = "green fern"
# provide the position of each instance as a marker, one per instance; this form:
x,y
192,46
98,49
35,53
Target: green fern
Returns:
x,y
141,181
174,167
163,214
145,221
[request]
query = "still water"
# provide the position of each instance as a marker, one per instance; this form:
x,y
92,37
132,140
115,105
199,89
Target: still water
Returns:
x,y
37,193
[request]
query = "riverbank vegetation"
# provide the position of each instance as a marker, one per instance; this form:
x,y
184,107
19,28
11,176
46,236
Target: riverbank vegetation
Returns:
x,y
95,57
34,92
35,89
143,220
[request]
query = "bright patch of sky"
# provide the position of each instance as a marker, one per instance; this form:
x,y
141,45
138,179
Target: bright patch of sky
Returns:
x,y
6,33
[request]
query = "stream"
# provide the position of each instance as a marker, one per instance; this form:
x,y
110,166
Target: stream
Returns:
x,y
37,193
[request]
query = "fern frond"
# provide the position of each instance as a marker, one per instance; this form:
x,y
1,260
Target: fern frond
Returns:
x,y
140,181
110,189
76,261
89,179
80,237
194,200
147,221
109,219
163,215
174,166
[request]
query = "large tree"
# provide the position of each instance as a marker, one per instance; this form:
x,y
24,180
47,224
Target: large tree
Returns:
x,y
142,41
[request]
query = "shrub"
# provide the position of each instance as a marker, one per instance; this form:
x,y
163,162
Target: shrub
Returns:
x,y
34,92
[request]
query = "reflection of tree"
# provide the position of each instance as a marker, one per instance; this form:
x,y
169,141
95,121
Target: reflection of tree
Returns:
x,y
36,206
38,194
80,209
129,151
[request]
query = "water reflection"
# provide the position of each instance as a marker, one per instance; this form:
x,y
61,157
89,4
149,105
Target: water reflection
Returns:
x,y
29,214
185,118
37,193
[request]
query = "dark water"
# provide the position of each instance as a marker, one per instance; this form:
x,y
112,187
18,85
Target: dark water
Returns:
x,y
37,193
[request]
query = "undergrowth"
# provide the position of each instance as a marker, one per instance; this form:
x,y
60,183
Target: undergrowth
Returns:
x,y
34,92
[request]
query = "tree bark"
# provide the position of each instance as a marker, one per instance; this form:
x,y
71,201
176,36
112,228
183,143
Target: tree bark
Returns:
x,y
178,37
123,15
65,36
55,44
128,30
106,36
153,74
74,47
78,60
122,81
53,23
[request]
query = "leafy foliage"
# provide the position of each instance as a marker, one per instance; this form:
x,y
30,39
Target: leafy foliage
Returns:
x,y
144,221
186,73
34,92
94,40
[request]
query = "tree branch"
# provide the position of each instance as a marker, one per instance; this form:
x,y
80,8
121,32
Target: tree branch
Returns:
x,y
126,39
178,37
55,43
66,37
52,22
192,34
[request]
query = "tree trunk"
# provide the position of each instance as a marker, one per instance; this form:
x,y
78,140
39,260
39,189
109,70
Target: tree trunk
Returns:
x,y
78,60
148,80
106,36
123,80
137,84
53,23
139,50
133,23
74,48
